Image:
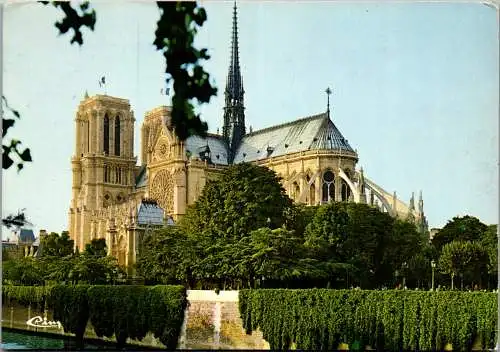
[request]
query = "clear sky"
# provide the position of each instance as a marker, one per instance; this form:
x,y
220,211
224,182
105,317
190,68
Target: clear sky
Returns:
x,y
415,90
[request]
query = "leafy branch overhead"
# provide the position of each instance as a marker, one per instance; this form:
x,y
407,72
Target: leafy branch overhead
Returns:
x,y
175,33
73,20
11,149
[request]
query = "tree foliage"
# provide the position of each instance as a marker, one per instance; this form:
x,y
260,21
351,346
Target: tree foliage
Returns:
x,y
489,241
176,30
122,311
165,256
96,248
465,259
327,230
23,271
60,264
55,245
466,228
73,19
242,232
244,198
10,148
277,254
386,320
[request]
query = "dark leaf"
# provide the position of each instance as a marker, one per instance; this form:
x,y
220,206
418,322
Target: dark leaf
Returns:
x,y
6,160
6,124
26,155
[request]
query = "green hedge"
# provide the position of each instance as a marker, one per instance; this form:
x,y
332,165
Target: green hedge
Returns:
x,y
321,319
122,311
132,311
25,295
70,306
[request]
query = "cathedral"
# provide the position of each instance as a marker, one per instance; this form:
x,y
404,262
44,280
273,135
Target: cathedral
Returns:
x,y
115,198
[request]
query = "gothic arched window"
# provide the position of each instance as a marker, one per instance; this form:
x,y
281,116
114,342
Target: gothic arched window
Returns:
x,y
117,135
328,187
106,134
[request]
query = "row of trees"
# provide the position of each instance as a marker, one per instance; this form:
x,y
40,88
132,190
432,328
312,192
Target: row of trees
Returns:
x,y
59,263
244,231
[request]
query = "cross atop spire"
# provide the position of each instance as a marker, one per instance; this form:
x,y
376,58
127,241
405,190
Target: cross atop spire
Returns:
x,y
328,91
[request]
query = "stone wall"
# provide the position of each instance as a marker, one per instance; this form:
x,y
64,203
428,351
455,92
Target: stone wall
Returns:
x,y
213,322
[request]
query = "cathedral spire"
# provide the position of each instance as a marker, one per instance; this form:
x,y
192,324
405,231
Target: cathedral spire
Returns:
x,y
234,110
234,79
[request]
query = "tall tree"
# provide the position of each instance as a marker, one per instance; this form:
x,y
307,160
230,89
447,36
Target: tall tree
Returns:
x,y
368,235
465,228
166,257
327,231
55,245
276,254
404,245
96,248
244,198
465,260
489,241
23,271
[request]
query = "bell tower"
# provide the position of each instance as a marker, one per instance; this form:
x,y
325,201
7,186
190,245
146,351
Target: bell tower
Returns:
x,y
103,163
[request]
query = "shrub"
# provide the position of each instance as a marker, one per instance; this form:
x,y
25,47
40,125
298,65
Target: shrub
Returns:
x,y
123,311
320,319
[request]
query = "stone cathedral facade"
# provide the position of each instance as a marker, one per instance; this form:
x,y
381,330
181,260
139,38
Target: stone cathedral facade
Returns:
x,y
115,198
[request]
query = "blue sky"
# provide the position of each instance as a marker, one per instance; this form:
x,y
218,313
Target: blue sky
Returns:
x,y
415,89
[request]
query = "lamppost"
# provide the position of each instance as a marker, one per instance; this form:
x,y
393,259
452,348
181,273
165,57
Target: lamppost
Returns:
x,y
433,266
403,267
